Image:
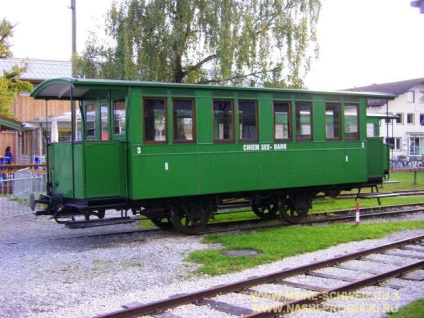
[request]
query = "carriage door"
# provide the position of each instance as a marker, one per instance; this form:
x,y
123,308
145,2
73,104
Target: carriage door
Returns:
x,y
104,159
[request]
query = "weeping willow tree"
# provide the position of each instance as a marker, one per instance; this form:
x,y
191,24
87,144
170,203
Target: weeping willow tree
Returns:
x,y
237,42
10,84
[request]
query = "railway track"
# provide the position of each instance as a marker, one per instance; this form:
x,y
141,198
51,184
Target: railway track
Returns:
x,y
254,224
268,296
317,218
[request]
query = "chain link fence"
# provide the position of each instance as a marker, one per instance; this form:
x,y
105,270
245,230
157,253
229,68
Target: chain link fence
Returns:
x,y
16,188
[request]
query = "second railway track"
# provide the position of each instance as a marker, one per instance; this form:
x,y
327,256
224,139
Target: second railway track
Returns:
x,y
269,296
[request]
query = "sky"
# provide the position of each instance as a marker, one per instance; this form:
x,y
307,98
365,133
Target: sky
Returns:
x,y
361,41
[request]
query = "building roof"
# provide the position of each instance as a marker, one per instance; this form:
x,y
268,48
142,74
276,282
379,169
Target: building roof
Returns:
x,y
39,70
9,124
395,88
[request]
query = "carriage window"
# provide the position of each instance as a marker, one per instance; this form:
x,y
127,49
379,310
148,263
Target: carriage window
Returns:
x,y
119,116
248,122
90,121
303,121
154,120
332,121
104,119
184,127
223,120
282,122
351,122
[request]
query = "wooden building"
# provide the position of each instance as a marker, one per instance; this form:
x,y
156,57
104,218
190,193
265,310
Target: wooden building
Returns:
x,y
31,116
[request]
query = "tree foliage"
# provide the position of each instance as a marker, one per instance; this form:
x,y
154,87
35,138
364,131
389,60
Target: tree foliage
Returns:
x,y
238,42
10,84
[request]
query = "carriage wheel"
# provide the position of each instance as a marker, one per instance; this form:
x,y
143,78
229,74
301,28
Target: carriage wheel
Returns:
x,y
163,222
332,193
265,208
101,214
191,219
294,207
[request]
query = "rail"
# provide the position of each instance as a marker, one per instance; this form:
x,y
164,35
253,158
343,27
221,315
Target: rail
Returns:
x,y
204,296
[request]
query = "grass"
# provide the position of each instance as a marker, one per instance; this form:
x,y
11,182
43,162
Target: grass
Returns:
x,y
413,310
277,244
406,181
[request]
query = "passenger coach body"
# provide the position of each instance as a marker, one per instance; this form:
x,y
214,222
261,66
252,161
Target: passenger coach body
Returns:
x,y
173,152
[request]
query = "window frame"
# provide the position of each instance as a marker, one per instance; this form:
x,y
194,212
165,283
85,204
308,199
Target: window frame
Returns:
x,y
421,97
107,131
114,118
298,121
227,140
410,97
193,128
339,107
289,120
89,137
256,120
399,120
164,99
350,136
410,116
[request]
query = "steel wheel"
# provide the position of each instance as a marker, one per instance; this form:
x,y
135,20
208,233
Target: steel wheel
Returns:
x,y
294,207
163,223
291,215
190,219
265,208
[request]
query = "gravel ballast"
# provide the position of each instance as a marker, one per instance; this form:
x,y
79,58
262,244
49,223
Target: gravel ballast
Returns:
x,y
50,271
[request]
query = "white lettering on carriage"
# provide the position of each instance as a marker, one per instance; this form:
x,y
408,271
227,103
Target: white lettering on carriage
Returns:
x,y
264,147
251,147
280,146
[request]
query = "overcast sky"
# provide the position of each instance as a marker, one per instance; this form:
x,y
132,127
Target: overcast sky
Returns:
x,y
361,41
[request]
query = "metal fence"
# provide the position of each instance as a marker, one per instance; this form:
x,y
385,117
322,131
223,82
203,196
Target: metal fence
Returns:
x,y
15,190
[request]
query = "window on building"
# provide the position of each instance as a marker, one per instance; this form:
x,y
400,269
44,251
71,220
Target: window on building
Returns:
x,y
118,110
183,113
223,120
394,143
372,130
399,119
415,146
351,122
410,97
248,120
422,119
303,113
90,121
332,121
154,112
421,97
410,118
282,121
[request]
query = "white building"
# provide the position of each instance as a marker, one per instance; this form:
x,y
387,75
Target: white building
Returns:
x,y
406,133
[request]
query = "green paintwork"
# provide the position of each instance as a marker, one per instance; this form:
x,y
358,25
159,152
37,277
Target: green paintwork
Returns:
x,y
126,167
99,169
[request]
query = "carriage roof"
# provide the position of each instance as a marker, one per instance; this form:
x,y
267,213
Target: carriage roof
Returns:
x,y
77,88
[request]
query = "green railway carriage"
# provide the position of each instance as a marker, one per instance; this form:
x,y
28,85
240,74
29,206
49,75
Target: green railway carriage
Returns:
x,y
173,152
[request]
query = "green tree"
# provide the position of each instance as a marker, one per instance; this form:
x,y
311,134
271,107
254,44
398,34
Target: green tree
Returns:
x,y
10,84
238,42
